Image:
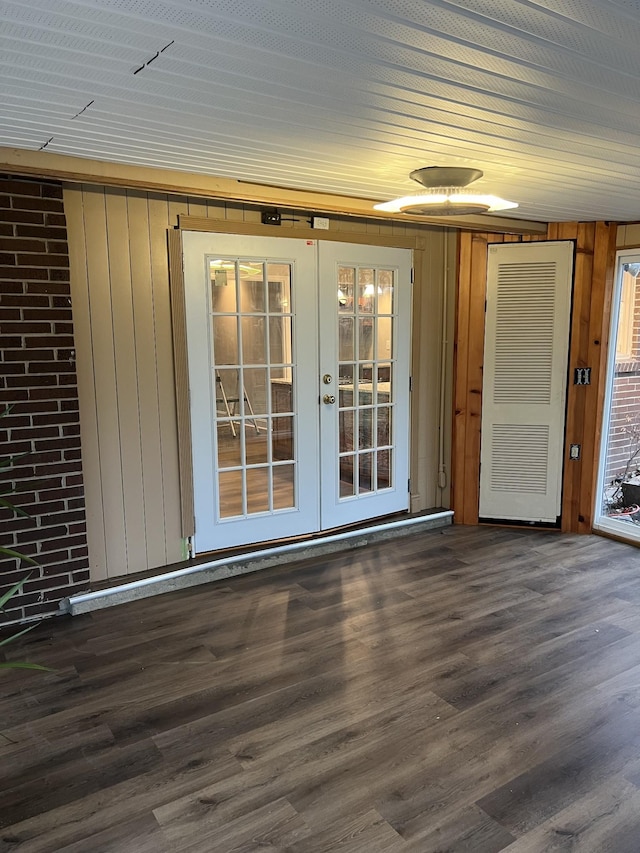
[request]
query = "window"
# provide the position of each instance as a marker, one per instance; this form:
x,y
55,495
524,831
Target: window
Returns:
x,y
626,314
618,509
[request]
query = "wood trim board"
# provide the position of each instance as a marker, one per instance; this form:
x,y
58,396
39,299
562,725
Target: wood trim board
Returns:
x,y
44,164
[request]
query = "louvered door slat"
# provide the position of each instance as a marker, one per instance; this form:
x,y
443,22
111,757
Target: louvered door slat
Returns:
x,y
525,375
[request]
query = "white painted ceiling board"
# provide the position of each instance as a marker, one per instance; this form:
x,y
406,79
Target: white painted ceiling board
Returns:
x,y
344,96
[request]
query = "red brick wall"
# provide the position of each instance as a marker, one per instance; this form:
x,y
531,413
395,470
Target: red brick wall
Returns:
x,y
38,380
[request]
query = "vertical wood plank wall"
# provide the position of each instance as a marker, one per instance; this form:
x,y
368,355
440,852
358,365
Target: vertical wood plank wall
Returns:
x,y
594,261
121,300
628,236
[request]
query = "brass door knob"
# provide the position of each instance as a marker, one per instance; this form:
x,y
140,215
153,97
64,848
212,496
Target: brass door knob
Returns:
x,y
328,398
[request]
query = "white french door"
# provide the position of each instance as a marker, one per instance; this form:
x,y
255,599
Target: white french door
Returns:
x,y
364,314
299,384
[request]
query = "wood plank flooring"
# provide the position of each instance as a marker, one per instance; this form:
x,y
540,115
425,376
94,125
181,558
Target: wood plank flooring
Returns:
x,y
467,690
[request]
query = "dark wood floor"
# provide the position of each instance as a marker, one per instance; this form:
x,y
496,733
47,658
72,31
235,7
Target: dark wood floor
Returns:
x,y
468,690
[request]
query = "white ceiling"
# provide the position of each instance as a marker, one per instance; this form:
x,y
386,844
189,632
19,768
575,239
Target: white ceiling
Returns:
x,y
345,96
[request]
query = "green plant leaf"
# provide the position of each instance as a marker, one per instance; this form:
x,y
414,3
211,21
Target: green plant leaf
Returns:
x,y
23,665
10,553
8,505
14,590
8,461
19,634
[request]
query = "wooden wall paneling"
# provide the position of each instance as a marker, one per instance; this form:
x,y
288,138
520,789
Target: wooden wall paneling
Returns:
x,y
421,478
576,394
74,211
158,224
215,209
127,390
596,356
477,296
433,264
567,230
386,229
234,212
195,206
178,206
429,278
628,236
148,339
253,214
530,238
109,471
451,252
460,373
194,223
585,249
179,337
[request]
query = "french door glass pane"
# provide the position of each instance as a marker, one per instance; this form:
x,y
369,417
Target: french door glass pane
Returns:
x,y
366,318
253,374
231,493
225,339
257,490
283,486
230,453
384,468
347,484
223,292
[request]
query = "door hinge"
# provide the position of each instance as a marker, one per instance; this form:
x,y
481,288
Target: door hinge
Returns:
x,y
410,384
409,485
413,272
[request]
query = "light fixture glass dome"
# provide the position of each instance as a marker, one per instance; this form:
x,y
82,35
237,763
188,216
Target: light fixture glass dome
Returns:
x,y
447,195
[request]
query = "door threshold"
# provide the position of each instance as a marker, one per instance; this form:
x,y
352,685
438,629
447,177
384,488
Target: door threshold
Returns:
x,y
221,566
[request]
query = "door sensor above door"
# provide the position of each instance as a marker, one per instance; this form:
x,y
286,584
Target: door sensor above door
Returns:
x,y
271,217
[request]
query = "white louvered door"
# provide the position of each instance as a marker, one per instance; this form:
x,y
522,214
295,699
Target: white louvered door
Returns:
x,y
525,379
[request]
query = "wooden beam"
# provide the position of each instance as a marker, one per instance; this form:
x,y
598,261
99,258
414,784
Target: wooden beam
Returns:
x,y
256,229
42,164
582,235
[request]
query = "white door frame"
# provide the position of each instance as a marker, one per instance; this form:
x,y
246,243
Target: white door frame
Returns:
x,y
195,246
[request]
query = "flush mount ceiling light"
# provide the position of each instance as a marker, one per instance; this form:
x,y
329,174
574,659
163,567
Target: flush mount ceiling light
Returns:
x,y
447,194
